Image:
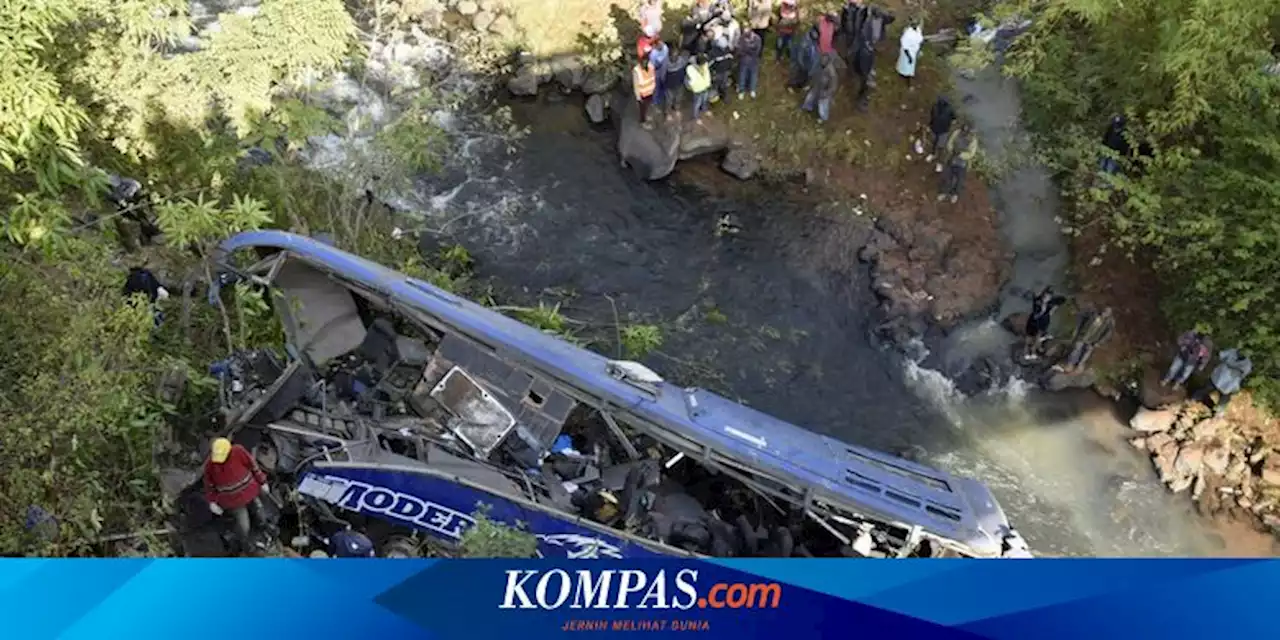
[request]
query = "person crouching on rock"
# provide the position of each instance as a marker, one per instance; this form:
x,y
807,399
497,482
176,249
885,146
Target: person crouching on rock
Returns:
x,y
698,81
1233,367
1037,329
1093,330
824,88
1194,351
644,83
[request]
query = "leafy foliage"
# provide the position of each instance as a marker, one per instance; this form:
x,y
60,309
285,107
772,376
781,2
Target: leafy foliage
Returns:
x,y
1192,79
492,539
640,339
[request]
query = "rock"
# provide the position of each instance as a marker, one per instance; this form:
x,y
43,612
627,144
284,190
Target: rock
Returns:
x,y
896,229
1178,485
467,8
651,153
740,162
1060,381
503,27
710,137
1206,429
173,481
482,20
599,81
524,82
878,243
1216,458
1198,487
1270,477
570,74
1153,421
1157,441
597,107
1190,460
1139,443
487,5
1016,323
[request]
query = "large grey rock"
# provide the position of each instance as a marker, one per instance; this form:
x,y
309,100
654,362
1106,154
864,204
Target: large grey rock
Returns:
x,y
524,82
741,162
570,74
697,140
482,20
467,8
651,153
1064,381
597,108
599,81
1153,421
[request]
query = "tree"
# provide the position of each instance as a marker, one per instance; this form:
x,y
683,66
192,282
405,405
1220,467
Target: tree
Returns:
x,y
1192,78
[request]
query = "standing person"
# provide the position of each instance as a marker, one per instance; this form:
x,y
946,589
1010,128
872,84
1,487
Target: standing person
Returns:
x,y
962,148
701,12
824,88
750,47
1114,140
909,51
759,15
721,65
673,85
690,33
940,119
644,46
651,17
731,29
659,57
1092,330
805,61
826,34
698,81
232,485
852,17
1037,328
788,22
1194,351
1232,369
644,82
864,65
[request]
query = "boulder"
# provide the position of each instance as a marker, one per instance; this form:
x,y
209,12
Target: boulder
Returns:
x,y
1060,381
467,8
741,162
1016,323
599,81
1190,460
877,244
896,229
487,5
570,74
1270,477
1206,429
651,153
482,20
1153,421
709,137
1139,443
1216,458
503,27
524,82
597,108
1157,441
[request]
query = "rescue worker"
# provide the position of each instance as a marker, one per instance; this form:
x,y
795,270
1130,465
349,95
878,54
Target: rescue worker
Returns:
x,y
1114,140
962,148
233,483
788,22
141,280
659,58
750,48
349,543
824,88
133,207
909,51
1194,352
698,81
940,119
759,15
1233,367
644,83
1092,330
673,85
721,64
1037,328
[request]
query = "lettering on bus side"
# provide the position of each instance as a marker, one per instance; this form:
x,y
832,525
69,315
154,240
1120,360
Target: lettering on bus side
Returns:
x,y
423,514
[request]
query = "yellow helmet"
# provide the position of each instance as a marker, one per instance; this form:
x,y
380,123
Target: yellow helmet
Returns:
x,y
221,449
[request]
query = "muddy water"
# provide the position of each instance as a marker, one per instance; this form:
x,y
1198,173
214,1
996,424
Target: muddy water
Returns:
x,y
749,316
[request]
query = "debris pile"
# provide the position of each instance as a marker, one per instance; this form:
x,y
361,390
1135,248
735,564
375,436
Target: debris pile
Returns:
x,y
1228,468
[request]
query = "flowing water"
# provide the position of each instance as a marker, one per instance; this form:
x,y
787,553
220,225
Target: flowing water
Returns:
x,y
755,316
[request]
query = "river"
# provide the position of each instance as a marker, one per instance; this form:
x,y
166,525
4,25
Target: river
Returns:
x,y
756,316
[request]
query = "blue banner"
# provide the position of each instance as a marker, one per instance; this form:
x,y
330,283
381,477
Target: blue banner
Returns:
x,y
765,599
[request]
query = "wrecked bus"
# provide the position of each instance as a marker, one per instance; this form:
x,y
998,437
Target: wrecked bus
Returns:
x,y
405,410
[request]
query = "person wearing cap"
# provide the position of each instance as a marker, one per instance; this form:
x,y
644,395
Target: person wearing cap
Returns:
x,y
349,543
233,483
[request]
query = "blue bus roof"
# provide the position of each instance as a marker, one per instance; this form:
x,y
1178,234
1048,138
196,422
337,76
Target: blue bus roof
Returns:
x,y
889,487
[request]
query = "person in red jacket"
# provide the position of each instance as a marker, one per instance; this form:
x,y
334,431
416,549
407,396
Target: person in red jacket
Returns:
x,y
233,483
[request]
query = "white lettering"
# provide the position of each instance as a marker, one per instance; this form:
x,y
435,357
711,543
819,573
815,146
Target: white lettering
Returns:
x,y
365,498
685,579
515,589
541,592
657,591
379,500
587,590
633,581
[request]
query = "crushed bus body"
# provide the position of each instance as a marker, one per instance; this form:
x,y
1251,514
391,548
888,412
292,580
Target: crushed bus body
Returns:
x,y
406,409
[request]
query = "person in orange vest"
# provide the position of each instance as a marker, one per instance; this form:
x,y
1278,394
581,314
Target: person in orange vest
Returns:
x,y
233,483
644,83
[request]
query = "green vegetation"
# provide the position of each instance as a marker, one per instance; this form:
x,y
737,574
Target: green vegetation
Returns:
x,y
638,340
1202,206
491,539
